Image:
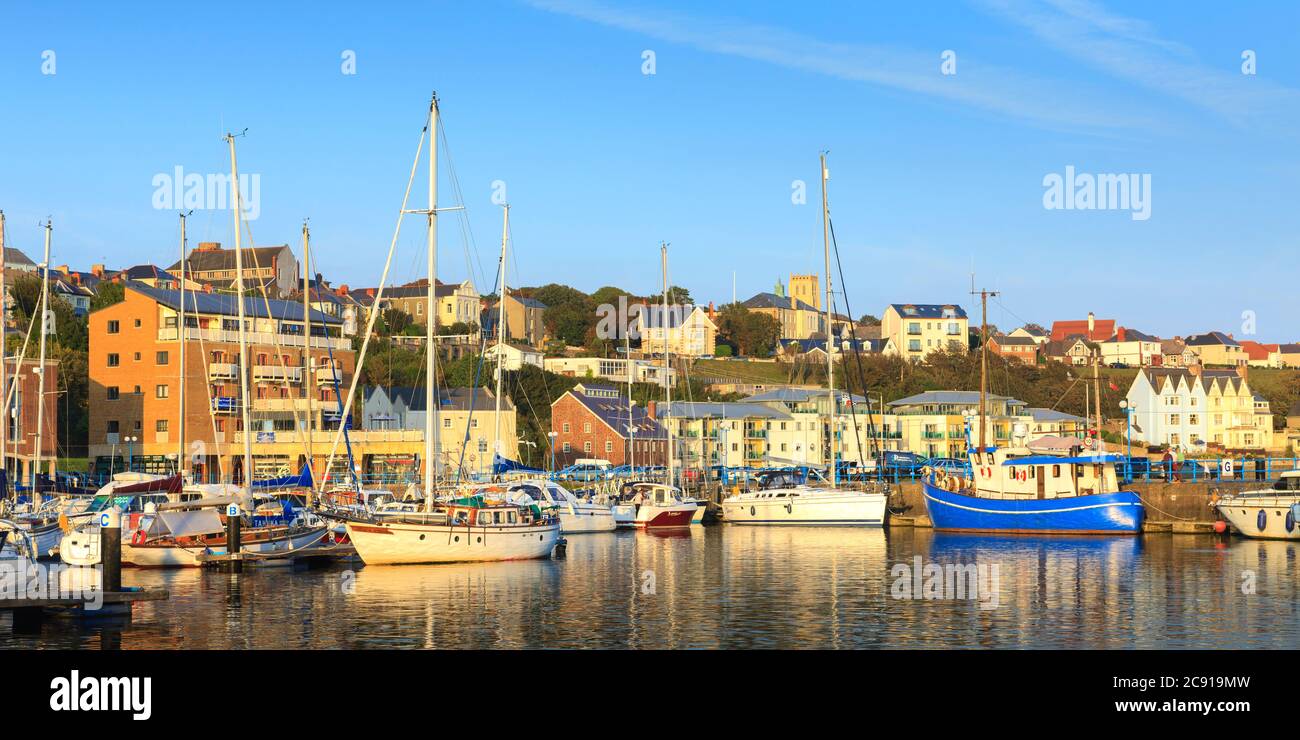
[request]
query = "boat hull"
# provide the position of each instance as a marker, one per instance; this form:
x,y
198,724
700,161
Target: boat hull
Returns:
x,y
842,509
1279,519
1103,513
162,555
625,515
397,543
584,519
657,516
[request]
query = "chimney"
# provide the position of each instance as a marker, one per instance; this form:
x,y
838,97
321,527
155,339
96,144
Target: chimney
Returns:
x,y
343,289
97,271
1120,334
208,247
651,408
1092,323
63,269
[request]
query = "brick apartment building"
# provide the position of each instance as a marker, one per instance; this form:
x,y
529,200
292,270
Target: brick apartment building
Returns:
x,y
20,432
1024,349
134,392
591,421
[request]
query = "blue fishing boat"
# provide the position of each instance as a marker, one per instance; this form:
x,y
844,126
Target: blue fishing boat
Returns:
x,y
1018,491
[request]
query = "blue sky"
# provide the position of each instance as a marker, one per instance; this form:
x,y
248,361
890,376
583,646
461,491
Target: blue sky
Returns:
x,y
930,173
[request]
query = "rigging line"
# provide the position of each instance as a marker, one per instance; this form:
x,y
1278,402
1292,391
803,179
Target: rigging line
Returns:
x,y
275,340
467,233
379,295
473,397
857,356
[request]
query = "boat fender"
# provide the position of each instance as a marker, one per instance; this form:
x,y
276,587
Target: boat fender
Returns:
x,y
138,538
1290,518
63,522
1261,520
952,485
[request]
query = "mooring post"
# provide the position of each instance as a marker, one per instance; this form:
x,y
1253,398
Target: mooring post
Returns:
x,y
234,562
110,548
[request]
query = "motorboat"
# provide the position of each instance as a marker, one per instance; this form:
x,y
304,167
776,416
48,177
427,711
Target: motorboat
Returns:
x,y
1270,513
576,515
788,497
658,505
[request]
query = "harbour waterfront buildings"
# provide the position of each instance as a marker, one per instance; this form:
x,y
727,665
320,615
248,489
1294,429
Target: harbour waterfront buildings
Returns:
x,y
1195,407
134,394
917,329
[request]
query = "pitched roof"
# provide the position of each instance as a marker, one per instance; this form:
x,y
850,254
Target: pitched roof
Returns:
x,y
796,395
205,260
1208,378
225,305
1102,329
772,300
1257,351
15,258
614,413
1126,334
951,397
1006,340
1047,415
929,310
1212,338
146,272
449,399
725,410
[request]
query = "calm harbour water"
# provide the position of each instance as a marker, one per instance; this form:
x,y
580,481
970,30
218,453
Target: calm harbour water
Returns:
x,y
737,587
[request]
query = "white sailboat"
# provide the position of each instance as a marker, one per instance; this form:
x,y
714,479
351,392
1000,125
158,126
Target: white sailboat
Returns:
x,y
785,498
482,526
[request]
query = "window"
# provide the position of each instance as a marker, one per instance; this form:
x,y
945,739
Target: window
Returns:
x,y
586,446
137,323
1056,471
446,423
114,327
1173,419
137,357
160,391
112,426
160,425
566,447
114,360
566,427
609,446
113,393
482,446
586,427
161,358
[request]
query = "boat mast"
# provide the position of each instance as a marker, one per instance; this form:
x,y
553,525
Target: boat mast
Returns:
x,y
431,316
4,354
243,338
308,382
631,433
40,368
180,338
1096,396
984,356
668,391
830,359
501,324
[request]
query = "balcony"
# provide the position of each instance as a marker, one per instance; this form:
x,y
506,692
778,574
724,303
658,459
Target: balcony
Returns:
x,y
329,375
276,374
230,336
223,371
225,404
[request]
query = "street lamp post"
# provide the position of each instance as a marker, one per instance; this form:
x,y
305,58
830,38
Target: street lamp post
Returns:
x,y
130,452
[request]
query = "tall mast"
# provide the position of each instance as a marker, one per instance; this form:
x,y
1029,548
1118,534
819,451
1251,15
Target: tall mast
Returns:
x,y
984,358
830,359
668,392
1096,396
244,401
4,354
40,367
308,381
631,435
431,316
501,324
180,338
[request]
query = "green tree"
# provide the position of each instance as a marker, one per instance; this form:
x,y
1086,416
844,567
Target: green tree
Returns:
x,y
106,294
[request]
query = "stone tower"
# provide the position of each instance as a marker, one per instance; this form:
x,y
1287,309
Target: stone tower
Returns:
x,y
806,288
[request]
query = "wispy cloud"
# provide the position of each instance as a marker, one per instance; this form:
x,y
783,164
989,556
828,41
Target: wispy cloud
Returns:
x,y
999,90
1131,50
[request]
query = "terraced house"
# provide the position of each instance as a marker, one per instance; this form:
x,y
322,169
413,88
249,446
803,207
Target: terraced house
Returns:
x,y
1195,408
1217,348
275,268
917,329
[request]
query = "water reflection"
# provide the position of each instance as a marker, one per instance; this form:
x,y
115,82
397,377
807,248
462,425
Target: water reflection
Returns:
x,y
738,587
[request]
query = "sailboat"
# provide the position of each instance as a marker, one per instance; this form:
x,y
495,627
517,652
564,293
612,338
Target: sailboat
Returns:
x,y
659,505
1013,489
788,498
483,525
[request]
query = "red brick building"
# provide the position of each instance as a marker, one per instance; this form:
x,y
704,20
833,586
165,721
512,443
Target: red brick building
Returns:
x,y
1024,349
24,383
592,420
